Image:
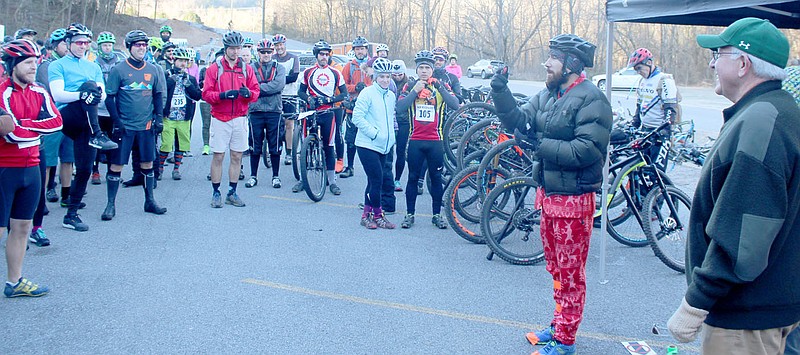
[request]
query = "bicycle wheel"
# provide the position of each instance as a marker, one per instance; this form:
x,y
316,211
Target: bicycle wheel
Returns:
x,y
461,204
661,225
297,141
459,121
312,168
506,155
481,136
511,229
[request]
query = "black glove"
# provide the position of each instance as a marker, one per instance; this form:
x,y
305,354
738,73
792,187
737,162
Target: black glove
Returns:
x,y
158,124
91,96
118,132
500,79
244,92
349,104
229,95
360,86
312,103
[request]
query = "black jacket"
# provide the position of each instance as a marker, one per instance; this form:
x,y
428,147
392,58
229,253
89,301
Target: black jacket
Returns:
x,y
573,133
193,94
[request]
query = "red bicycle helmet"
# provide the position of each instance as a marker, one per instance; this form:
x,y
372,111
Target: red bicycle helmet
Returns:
x,y
20,48
265,43
639,56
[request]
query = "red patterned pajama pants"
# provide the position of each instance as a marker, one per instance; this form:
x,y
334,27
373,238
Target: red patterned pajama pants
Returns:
x,y
566,227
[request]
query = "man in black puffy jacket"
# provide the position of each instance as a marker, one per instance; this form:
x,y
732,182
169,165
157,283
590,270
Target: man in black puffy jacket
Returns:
x,y
569,124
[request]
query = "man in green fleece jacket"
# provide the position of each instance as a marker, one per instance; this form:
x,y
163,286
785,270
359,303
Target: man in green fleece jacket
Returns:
x,y
743,248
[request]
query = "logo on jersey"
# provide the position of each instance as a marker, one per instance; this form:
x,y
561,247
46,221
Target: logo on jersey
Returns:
x,y
323,79
147,77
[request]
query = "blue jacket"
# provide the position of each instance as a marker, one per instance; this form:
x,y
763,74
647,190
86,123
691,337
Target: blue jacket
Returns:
x,y
374,117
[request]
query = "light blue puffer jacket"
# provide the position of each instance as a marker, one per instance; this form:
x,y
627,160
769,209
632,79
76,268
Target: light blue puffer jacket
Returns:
x,y
374,117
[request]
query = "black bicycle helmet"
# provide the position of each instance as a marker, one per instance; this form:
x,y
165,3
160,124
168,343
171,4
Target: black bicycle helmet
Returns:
x,y
579,47
135,36
78,29
360,41
424,57
168,45
322,45
24,32
232,39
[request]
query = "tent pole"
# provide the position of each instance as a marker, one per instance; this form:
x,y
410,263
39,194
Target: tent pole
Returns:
x,y
603,198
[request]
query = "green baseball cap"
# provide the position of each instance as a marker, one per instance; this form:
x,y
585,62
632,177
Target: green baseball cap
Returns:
x,y
754,36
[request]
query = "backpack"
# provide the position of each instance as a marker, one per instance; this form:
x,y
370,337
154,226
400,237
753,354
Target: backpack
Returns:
x,y
220,68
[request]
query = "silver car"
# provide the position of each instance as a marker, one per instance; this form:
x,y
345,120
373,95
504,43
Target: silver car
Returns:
x,y
484,67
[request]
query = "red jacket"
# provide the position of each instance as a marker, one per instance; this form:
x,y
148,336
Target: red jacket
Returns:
x,y
34,114
231,79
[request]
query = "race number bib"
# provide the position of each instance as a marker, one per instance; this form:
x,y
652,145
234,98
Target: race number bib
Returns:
x,y
178,100
425,113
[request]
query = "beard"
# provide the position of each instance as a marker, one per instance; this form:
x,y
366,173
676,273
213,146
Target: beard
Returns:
x,y
554,80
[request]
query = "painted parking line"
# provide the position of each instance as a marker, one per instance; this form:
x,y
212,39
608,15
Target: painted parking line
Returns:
x,y
446,313
309,202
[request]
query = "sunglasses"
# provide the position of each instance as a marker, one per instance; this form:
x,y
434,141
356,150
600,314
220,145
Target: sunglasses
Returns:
x,y
82,43
265,51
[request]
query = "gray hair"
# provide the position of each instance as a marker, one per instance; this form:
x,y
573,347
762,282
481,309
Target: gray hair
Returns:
x,y
762,68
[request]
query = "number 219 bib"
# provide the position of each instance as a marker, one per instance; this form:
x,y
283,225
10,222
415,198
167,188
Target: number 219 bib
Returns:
x,y
425,113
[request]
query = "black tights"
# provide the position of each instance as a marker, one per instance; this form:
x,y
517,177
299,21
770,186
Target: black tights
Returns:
x,y
418,152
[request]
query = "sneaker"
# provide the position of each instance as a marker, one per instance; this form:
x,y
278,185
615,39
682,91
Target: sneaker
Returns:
x,y
439,221
420,188
541,337
366,219
96,178
65,203
287,160
346,173
187,154
39,238
233,199
276,182
216,200
176,174
51,195
136,180
206,150
297,187
101,141
336,190
397,186
253,181
24,288
408,221
208,177
384,223
241,175
158,175
339,165
554,347
74,222
371,224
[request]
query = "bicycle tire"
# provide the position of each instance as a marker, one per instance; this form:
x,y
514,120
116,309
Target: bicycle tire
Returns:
x,y
297,141
668,244
511,171
313,160
621,227
458,119
474,140
498,223
457,210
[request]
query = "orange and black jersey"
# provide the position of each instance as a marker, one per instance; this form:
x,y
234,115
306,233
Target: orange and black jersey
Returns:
x,y
426,110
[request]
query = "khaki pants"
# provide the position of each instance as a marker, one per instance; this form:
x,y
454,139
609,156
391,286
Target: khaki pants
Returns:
x,y
745,342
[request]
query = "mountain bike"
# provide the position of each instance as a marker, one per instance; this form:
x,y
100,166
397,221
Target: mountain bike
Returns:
x,y
312,156
297,134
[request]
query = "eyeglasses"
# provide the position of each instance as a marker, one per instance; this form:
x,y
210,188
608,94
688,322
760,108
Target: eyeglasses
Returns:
x,y
324,54
82,43
140,44
715,55
263,51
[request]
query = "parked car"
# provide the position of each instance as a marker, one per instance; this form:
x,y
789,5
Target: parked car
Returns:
x,y
484,67
307,59
624,79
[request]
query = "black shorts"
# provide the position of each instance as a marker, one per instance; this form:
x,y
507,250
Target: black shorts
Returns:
x,y
145,141
270,126
19,193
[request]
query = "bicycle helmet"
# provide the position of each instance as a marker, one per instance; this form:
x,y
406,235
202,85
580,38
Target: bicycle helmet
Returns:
x,y
24,32
265,43
278,38
232,39
192,54
382,47
360,41
398,66
182,53
440,52
135,36
321,46
58,35
382,66
572,44
453,56
77,29
424,57
106,37
165,28
168,45
351,54
155,43
248,42
639,56
18,50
